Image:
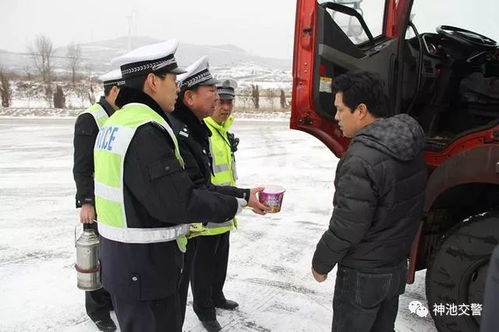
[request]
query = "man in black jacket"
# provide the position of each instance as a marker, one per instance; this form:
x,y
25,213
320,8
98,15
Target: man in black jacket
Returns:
x,y
98,302
378,205
144,198
198,95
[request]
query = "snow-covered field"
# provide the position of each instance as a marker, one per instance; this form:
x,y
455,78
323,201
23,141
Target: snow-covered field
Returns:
x,y
269,270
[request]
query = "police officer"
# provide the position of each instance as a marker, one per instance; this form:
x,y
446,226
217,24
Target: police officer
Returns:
x,y
198,96
213,245
98,302
144,198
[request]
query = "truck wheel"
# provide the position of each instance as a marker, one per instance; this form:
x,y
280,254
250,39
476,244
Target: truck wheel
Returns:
x,y
458,270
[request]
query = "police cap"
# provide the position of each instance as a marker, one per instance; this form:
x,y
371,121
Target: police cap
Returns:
x,y
154,58
197,74
112,78
226,89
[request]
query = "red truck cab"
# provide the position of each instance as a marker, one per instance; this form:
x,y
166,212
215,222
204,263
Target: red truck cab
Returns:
x,y
447,79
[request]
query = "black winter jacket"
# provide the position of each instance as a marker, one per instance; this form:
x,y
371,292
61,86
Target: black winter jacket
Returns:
x,y
193,140
157,193
378,202
85,134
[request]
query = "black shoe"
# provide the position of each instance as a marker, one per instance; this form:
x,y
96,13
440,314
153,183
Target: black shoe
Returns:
x,y
212,325
105,324
227,305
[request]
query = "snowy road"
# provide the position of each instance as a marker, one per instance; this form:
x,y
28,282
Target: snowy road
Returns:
x,y
269,270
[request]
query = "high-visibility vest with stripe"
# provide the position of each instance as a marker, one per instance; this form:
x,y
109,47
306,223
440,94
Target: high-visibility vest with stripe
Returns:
x,y
99,114
224,172
109,156
224,164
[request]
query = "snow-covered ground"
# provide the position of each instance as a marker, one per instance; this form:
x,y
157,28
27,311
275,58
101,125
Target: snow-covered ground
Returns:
x,y
269,270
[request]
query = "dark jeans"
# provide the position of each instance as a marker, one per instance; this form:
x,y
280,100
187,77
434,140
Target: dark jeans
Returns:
x,y
152,316
98,303
209,270
367,301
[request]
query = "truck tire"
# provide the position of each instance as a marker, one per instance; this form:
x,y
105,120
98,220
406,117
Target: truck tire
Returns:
x,y
458,270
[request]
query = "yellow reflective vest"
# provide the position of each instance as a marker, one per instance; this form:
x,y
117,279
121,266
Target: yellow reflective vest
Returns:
x,y
224,170
109,156
99,114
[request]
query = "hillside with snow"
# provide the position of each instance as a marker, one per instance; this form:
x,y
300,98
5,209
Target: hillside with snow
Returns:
x,y
225,60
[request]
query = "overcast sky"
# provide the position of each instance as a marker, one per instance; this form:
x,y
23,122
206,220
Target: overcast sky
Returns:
x,y
262,27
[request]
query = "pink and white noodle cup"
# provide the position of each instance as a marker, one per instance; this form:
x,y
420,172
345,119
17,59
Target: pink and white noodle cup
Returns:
x,y
272,197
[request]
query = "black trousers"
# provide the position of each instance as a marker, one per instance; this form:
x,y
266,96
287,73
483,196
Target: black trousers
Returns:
x,y
209,270
490,318
98,303
162,315
185,279
366,302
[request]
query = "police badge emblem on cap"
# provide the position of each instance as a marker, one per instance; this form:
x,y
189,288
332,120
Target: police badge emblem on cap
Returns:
x,y
197,74
154,58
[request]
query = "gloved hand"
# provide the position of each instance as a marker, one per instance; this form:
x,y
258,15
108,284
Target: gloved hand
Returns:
x,y
234,142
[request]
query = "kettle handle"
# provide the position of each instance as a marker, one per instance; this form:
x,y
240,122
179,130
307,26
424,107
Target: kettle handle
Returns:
x,y
75,232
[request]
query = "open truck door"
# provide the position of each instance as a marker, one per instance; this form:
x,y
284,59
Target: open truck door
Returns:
x,y
446,78
332,37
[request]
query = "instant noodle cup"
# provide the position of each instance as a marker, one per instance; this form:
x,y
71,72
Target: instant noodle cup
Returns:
x,y
272,197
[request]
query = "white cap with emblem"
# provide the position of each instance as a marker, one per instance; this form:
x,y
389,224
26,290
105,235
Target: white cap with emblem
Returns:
x,y
197,74
154,58
112,78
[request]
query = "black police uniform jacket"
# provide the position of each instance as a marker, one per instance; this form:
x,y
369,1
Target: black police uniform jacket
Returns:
x,y
85,134
157,193
193,139
378,202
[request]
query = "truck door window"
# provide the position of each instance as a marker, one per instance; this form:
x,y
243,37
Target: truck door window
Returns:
x,y
371,10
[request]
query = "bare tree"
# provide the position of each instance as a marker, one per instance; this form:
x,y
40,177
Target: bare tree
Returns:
x,y
74,59
28,72
81,91
41,53
91,96
5,89
90,91
255,93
